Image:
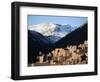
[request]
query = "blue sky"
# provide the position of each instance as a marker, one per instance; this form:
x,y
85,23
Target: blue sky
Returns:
x,y
63,20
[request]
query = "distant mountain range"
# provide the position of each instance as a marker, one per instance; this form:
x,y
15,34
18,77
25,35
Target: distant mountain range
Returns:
x,y
41,40
53,32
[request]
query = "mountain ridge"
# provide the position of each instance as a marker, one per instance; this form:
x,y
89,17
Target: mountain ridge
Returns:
x,y
37,42
53,32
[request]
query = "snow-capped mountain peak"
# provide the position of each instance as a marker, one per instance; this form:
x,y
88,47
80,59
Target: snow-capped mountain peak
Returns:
x,y
52,32
46,29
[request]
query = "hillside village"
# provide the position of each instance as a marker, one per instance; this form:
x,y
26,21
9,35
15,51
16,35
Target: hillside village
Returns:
x,y
70,55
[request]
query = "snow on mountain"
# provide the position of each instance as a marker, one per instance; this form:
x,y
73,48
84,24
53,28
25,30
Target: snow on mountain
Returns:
x,y
46,29
53,32
62,30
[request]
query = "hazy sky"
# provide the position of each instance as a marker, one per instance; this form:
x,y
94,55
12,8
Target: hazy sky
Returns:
x,y
63,20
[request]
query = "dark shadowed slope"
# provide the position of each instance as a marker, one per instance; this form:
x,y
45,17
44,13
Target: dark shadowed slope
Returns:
x,y
36,43
74,38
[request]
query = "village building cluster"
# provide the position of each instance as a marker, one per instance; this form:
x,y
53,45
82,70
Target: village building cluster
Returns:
x,y
70,55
